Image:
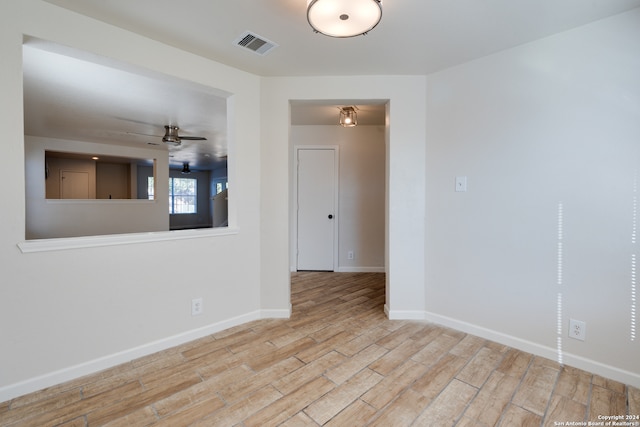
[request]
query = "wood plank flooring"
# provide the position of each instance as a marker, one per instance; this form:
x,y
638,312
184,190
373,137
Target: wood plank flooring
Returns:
x,y
337,362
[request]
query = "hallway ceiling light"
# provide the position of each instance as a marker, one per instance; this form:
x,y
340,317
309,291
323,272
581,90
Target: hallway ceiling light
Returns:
x,y
348,117
343,18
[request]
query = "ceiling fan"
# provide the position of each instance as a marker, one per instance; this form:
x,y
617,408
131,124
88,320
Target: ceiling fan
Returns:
x,y
171,136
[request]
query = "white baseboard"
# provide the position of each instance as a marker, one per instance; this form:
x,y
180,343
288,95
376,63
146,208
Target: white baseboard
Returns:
x,y
293,269
360,270
404,314
569,359
490,334
276,314
67,374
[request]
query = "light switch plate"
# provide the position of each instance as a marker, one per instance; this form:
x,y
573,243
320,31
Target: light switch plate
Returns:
x,y
461,183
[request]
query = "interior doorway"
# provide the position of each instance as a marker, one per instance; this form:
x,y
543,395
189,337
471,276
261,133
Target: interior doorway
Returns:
x,y
359,214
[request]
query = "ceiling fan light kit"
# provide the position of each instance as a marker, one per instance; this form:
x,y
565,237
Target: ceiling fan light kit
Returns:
x,y
340,18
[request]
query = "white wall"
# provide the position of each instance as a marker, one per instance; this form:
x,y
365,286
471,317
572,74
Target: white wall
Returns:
x,y
361,202
554,121
69,312
405,174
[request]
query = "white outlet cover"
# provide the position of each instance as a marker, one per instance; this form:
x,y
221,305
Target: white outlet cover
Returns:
x,y
577,329
196,306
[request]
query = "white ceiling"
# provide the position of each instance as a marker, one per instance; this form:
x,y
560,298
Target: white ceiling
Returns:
x,y
415,37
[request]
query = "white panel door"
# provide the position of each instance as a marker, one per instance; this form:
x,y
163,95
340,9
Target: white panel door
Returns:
x,y
316,209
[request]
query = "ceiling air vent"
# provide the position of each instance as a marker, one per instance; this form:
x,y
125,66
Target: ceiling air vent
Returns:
x,y
255,43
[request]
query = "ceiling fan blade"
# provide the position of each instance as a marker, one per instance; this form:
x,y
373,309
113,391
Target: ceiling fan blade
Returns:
x,y
129,119
143,134
193,138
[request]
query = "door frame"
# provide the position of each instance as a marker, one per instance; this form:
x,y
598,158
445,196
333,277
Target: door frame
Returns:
x,y
336,198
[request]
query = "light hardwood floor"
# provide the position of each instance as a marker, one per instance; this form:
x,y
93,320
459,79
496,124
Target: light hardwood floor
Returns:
x,y
337,362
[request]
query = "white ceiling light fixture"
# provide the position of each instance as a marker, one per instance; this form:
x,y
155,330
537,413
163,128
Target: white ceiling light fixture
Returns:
x,y
348,117
343,18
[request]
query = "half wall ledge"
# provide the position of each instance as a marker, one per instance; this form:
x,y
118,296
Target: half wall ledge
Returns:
x,y
65,243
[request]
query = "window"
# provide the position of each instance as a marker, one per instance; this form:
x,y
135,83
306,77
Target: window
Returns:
x,y
150,188
182,195
221,185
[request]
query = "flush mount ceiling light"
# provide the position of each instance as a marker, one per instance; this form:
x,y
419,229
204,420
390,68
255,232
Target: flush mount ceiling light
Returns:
x,y
348,117
343,18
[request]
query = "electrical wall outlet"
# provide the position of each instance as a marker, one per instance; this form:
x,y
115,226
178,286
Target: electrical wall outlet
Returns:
x,y
577,329
350,255
196,306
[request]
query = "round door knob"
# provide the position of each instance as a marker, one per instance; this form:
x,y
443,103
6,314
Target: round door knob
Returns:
x,y
330,216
